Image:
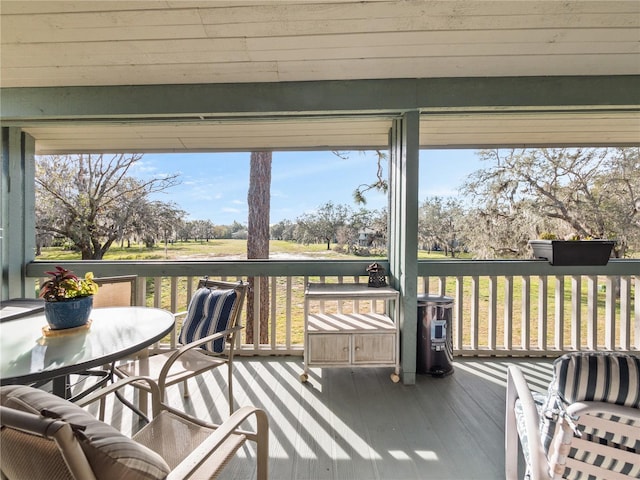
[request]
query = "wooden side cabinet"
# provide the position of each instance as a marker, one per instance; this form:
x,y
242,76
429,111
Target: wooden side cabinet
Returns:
x,y
345,326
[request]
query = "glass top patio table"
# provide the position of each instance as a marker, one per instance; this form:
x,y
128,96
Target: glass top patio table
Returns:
x,y
27,356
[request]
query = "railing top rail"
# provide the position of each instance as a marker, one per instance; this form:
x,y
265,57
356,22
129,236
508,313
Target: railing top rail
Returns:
x,y
154,268
523,267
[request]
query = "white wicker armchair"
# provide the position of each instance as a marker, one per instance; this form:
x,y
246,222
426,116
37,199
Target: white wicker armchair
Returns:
x,y
587,426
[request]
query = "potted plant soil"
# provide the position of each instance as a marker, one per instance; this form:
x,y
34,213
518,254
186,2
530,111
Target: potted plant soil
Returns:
x,y
68,298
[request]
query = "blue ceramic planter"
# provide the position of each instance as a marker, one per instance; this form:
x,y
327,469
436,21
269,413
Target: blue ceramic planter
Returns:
x,y
68,314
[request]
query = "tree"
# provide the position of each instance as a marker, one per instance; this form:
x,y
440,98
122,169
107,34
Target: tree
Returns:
x,y
91,200
158,221
380,184
589,193
440,223
283,230
323,225
259,201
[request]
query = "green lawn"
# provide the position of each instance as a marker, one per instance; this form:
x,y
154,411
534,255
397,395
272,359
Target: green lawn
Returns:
x,y
200,250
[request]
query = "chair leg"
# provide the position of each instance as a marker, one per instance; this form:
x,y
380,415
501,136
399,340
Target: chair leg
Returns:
x,y
143,401
101,411
185,389
230,380
262,447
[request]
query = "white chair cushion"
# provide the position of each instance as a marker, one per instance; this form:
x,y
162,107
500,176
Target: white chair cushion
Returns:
x,y
539,400
208,313
111,455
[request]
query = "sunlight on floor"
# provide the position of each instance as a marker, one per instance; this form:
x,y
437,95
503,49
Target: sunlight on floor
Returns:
x,y
429,455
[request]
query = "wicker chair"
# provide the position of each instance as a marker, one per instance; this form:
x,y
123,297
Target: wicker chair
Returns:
x,y
44,436
586,426
120,291
207,338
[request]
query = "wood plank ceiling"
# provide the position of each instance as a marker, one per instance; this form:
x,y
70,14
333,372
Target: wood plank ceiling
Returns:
x,y
125,43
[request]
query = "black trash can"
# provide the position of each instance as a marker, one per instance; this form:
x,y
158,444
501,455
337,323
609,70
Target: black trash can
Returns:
x,y
435,339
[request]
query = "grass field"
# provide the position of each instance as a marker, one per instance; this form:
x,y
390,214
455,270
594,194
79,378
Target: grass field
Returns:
x,y
222,248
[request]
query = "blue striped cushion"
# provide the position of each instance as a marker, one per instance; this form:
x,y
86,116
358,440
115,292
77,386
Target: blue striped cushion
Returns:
x,y
590,376
208,313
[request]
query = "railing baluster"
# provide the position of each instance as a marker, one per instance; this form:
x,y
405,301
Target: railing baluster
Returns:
x,y
625,313
273,323
508,313
636,322
288,313
610,315
174,293
141,291
475,311
459,316
321,302
493,312
559,313
256,313
542,312
525,338
576,312
592,312
157,292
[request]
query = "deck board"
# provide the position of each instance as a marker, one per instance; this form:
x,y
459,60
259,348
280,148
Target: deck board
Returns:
x,y
355,424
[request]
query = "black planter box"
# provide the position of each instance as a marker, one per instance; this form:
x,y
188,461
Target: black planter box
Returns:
x,y
573,252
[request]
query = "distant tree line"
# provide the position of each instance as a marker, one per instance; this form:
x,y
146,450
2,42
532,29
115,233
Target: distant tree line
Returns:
x,y
354,231
90,202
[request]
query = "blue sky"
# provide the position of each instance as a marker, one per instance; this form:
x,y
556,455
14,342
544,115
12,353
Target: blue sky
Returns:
x,y
214,185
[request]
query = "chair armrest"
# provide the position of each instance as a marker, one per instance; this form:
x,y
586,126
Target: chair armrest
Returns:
x,y
30,422
190,346
581,408
189,467
103,392
517,388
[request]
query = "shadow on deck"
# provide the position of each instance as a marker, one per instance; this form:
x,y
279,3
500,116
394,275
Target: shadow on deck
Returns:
x,y
354,423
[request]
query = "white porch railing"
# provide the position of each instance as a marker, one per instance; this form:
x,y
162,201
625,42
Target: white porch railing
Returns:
x,y
500,307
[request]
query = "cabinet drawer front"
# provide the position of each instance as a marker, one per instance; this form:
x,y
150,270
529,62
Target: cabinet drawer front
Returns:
x,y
329,349
374,348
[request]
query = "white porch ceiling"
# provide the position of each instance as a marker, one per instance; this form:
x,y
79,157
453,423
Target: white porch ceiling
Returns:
x,y
117,43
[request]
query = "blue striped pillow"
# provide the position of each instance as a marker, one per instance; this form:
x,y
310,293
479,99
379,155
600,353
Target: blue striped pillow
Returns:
x,y
590,376
208,313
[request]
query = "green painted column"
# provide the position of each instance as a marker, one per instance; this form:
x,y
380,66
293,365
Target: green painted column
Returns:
x,y
17,204
403,232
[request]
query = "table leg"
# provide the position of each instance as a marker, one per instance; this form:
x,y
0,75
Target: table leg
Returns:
x,y
61,386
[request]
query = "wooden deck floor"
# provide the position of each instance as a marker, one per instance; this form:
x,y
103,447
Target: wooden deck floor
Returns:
x,y
356,424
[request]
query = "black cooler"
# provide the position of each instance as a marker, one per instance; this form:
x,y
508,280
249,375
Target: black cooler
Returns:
x,y
435,340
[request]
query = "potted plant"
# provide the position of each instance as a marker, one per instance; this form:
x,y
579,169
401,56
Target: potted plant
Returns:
x,y
572,252
68,298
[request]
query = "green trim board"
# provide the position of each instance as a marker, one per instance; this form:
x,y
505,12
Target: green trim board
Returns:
x,y
205,101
